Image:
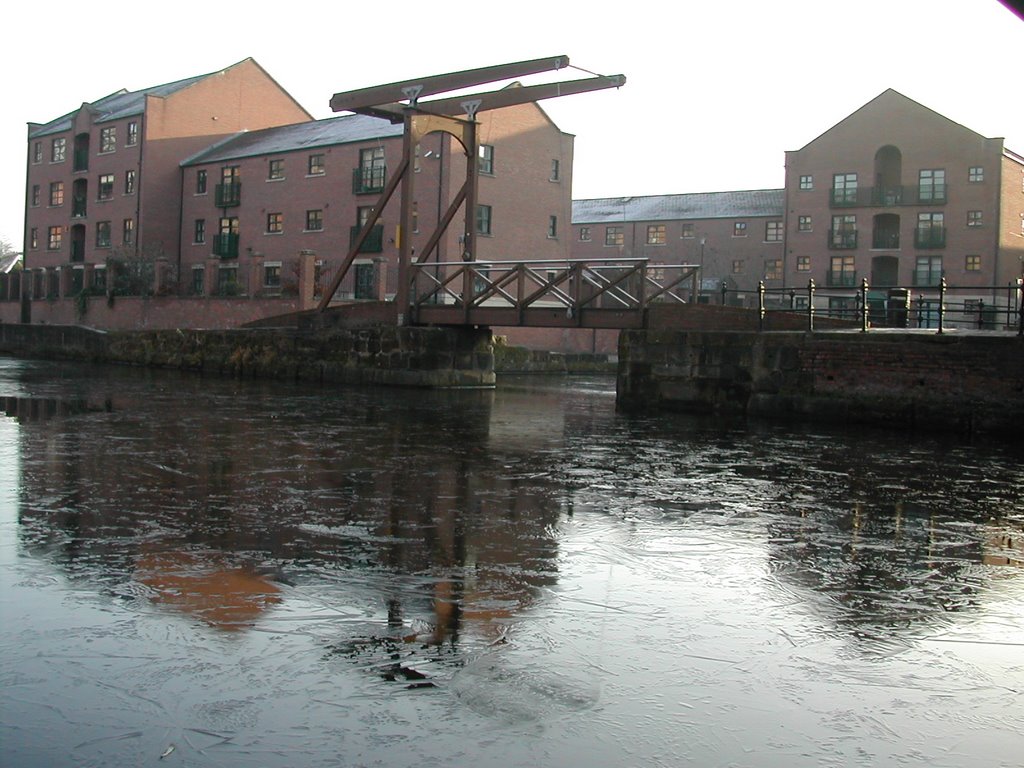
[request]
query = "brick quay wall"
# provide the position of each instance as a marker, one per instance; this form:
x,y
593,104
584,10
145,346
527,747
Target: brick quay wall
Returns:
x,y
957,381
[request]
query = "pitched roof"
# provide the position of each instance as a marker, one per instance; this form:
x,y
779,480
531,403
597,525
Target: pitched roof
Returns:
x,y
298,136
699,205
116,106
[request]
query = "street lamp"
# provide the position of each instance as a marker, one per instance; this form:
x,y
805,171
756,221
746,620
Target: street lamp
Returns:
x,y
700,272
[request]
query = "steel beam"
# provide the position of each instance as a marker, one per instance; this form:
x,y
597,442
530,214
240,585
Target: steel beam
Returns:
x,y
431,85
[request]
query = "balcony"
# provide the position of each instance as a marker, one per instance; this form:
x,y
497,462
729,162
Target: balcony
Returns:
x,y
886,241
930,237
888,195
931,195
80,161
374,242
77,251
225,246
842,239
846,198
79,206
368,180
228,195
841,279
927,277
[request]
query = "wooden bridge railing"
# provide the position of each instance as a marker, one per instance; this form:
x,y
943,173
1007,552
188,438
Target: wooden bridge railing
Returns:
x,y
552,293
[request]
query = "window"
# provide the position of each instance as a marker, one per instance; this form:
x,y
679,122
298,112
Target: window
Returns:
x,y
614,236
314,220
200,182
975,174
931,232
102,234
483,219
272,275
316,165
688,229
35,195
555,170
33,238
199,231
932,186
842,271
844,189
773,269
844,231
56,193
58,150
928,271
106,187
128,232
129,182
806,182
198,280
739,229
99,277
804,224
974,218
372,170
972,263
773,231
108,139
486,164
655,234
803,263
552,226
363,281
275,170
54,235
227,281
737,266
275,223
133,134
37,152
585,234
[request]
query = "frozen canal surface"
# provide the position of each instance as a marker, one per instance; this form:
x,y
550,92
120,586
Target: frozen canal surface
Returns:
x,y
234,573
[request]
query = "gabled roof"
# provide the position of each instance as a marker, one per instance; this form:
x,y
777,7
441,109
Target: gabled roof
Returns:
x,y
700,205
888,101
299,136
122,103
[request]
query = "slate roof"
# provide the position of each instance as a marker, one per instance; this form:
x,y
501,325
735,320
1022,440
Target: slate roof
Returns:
x,y
117,105
699,205
298,136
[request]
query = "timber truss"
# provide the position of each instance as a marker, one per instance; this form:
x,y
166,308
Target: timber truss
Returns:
x,y
456,116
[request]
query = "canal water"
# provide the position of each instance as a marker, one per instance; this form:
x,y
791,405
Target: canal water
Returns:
x,y
197,571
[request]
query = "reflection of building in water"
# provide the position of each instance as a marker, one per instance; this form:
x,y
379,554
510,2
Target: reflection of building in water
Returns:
x,y
889,568
399,489
204,585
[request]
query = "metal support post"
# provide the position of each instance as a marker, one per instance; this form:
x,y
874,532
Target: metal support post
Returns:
x,y
942,302
760,305
864,305
810,305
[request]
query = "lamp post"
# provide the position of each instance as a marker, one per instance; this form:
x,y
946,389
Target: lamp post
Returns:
x,y
700,272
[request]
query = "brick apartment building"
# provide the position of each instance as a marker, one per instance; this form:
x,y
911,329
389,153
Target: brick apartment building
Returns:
x,y
218,200
902,196
736,238
895,193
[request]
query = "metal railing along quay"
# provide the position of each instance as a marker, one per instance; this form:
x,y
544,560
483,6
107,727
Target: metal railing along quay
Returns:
x,y
940,307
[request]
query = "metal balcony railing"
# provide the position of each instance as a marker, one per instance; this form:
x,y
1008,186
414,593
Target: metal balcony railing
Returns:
x,y
841,278
80,160
886,241
930,237
374,242
369,180
225,246
842,239
228,195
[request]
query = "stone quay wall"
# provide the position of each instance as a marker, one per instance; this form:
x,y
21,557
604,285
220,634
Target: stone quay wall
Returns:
x,y
963,382
414,357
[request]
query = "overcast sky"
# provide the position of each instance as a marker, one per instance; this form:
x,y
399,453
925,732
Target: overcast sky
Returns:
x,y
716,92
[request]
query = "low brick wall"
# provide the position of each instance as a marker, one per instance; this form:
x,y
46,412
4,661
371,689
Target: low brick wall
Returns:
x,y
966,382
416,357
